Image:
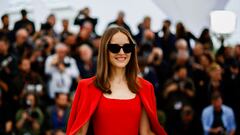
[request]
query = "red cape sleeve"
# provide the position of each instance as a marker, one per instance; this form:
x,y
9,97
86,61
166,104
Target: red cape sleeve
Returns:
x,y
149,101
73,112
84,104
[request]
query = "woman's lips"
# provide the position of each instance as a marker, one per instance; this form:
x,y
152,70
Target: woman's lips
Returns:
x,y
121,59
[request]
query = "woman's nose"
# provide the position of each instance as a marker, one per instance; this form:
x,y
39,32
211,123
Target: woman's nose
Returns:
x,y
121,51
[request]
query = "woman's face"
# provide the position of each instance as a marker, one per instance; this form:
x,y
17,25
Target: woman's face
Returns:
x,y
119,59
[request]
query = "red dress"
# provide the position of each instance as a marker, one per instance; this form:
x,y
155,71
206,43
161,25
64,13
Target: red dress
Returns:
x,y
87,99
117,116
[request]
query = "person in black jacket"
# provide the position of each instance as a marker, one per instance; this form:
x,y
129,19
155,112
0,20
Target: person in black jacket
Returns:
x,y
120,21
84,16
24,23
5,31
165,39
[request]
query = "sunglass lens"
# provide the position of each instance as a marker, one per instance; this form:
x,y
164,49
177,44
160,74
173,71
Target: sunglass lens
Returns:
x,y
127,48
114,48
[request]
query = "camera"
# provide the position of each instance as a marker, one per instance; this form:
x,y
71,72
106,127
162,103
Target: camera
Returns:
x,y
5,62
156,58
66,62
34,88
32,113
46,26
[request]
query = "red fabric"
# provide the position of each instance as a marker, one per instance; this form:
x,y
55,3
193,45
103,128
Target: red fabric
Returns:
x,y
87,97
111,115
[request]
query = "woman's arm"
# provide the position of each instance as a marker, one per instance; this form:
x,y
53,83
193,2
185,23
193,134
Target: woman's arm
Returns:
x,y
83,130
145,125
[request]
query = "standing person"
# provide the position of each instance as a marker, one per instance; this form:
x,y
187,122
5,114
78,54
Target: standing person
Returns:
x,y
25,23
181,32
165,39
115,101
62,71
5,31
84,16
205,39
120,21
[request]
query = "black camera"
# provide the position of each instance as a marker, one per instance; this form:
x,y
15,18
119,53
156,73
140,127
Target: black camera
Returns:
x,y
156,58
66,64
34,115
46,26
5,62
34,88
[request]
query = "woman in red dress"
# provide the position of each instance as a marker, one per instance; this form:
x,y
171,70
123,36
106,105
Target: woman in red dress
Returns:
x,y
115,101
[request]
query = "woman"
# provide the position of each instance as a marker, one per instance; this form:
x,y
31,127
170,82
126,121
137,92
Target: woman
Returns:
x,y
115,101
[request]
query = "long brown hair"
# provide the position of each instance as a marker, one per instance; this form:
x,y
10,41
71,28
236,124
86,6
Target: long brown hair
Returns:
x,y
104,67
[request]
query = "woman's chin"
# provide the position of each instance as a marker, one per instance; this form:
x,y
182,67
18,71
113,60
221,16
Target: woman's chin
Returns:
x,y
120,65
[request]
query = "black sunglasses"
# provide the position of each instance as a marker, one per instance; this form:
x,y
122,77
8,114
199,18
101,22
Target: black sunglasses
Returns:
x,y
115,48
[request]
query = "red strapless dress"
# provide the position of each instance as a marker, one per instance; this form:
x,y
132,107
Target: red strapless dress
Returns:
x,y
117,116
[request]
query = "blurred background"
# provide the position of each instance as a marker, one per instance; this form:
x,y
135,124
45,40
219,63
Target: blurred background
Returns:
x,y
189,50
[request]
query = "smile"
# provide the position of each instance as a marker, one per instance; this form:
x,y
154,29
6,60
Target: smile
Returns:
x,y
121,59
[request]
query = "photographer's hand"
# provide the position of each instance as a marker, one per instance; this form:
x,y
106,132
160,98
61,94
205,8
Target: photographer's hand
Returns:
x,y
54,60
170,88
150,58
4,86
61,67
35,125
21,122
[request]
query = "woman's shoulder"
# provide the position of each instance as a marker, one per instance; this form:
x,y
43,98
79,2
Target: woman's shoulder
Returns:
x,y
146,87
143,82
87,85
87,81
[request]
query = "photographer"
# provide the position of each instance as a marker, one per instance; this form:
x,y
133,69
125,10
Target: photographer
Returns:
x,y
165,39
29,118
4,30
47,28
61,70
162,69
24,22
22,46
178,91
28,81
43,48
84,16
